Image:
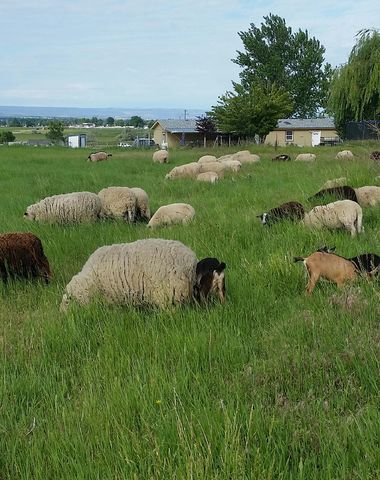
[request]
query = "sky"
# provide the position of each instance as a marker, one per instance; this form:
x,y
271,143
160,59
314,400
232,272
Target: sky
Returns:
x,y
161,54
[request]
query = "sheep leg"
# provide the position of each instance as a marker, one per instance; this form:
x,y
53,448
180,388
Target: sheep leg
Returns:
x,y
313,279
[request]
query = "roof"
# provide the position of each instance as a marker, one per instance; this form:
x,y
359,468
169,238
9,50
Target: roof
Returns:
x,y
178,126
305,123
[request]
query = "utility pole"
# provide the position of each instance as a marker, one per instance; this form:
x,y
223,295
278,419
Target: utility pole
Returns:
x,y
185,114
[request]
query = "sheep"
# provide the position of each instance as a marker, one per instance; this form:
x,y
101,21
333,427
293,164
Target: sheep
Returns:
x,y
161,156
142,204
210,279
118,202
282,157
152,272
306,157
375,155
217,167
344,155
172,214
368,196
245,156
22,256
188,170
210,177
365,263
98,156
286,211
336,182
328,266
341,214
75,207
232,165
207,159
225,157
344,193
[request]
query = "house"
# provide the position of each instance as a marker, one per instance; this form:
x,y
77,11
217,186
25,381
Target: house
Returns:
x,y
304,132
173,133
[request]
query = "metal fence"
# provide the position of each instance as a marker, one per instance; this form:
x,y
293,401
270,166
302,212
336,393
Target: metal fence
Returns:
x,y
364,130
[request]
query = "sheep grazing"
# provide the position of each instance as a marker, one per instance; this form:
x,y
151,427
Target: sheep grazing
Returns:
x,y
188,170
152,272
210,280
335,182
161,156
306,157
345,193
231,165
22,256
375,155
207,159
341,214
225,157
328,266
172,214
118,202
368,196
217,167
210,177
98,156
282,158
142,204
245,156
344,155
286,211
75,207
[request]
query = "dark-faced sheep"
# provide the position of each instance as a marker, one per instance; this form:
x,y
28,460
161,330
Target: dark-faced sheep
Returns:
x,y
210,280
375,155
282,158
286,211
342,193
22,256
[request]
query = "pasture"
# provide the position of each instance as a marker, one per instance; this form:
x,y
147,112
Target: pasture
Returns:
x,y
271,385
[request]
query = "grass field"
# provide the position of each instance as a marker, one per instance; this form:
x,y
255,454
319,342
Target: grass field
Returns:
x,y
272,385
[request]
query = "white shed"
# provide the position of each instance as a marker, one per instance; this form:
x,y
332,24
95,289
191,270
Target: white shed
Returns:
x,y
76,141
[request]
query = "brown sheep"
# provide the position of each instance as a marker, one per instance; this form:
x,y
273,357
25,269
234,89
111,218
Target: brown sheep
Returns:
x,y
22,256
98,156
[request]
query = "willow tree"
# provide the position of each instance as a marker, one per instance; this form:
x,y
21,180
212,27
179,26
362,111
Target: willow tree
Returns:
x,y
355,88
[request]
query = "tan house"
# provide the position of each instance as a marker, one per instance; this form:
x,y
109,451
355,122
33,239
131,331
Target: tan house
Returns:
x,y
304,132
173,133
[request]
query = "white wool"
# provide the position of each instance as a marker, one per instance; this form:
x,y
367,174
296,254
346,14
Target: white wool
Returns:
x,y
341,214
142,203
336,182
72,207
217,167
118,202
232,165
207,159
306,157
210,177
245,156
344,154
161,156
188,170
368,196
172,214
146,272
98,157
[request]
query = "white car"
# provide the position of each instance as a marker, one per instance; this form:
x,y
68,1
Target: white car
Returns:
x,y
124,144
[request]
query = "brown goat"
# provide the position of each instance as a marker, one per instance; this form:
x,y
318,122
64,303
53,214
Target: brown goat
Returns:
x,y
329,266
22,256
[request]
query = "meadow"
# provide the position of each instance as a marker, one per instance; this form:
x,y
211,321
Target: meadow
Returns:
x,y
271,385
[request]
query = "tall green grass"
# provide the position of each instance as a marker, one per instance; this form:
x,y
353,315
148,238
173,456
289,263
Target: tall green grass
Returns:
x,y
271,385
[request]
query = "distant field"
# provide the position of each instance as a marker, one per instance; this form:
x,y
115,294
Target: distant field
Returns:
x,y
273,385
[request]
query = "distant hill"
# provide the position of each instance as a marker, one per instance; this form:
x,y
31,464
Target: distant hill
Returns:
x,y
73,112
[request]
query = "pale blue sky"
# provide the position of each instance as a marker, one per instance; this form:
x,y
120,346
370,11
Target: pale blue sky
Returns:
x,y
163,53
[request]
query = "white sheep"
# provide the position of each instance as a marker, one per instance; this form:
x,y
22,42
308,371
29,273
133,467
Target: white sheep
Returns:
x,y
245,156
306,157
188,170
368,196
153,272
341,214
172,214
98,156
142,203
336,182
210,177
161,156
207,159
217,167
75,207
232,165
118,202
344,155
225,157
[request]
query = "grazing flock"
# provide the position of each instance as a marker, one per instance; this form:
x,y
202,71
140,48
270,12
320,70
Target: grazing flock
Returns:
x,y
166,272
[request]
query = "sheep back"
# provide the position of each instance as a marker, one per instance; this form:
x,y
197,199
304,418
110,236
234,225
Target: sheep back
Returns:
x,y
118,202
142,203
245,156
98,156
210,177
306,157
344,155
172,214
341,214
188,170
161,156
335,182
217,167
207,159
368,196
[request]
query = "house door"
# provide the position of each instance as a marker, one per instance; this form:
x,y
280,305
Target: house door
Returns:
x,y
315,138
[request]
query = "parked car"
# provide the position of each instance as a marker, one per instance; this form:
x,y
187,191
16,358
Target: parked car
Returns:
x,y
124,144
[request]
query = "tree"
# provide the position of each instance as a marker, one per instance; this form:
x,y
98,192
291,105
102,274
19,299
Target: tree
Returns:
x,y
206,125
136,121
275,55
7,136
55,132
355,88
251,111
110,121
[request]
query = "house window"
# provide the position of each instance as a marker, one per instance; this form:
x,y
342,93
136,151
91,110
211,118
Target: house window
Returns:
x,y
289,135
